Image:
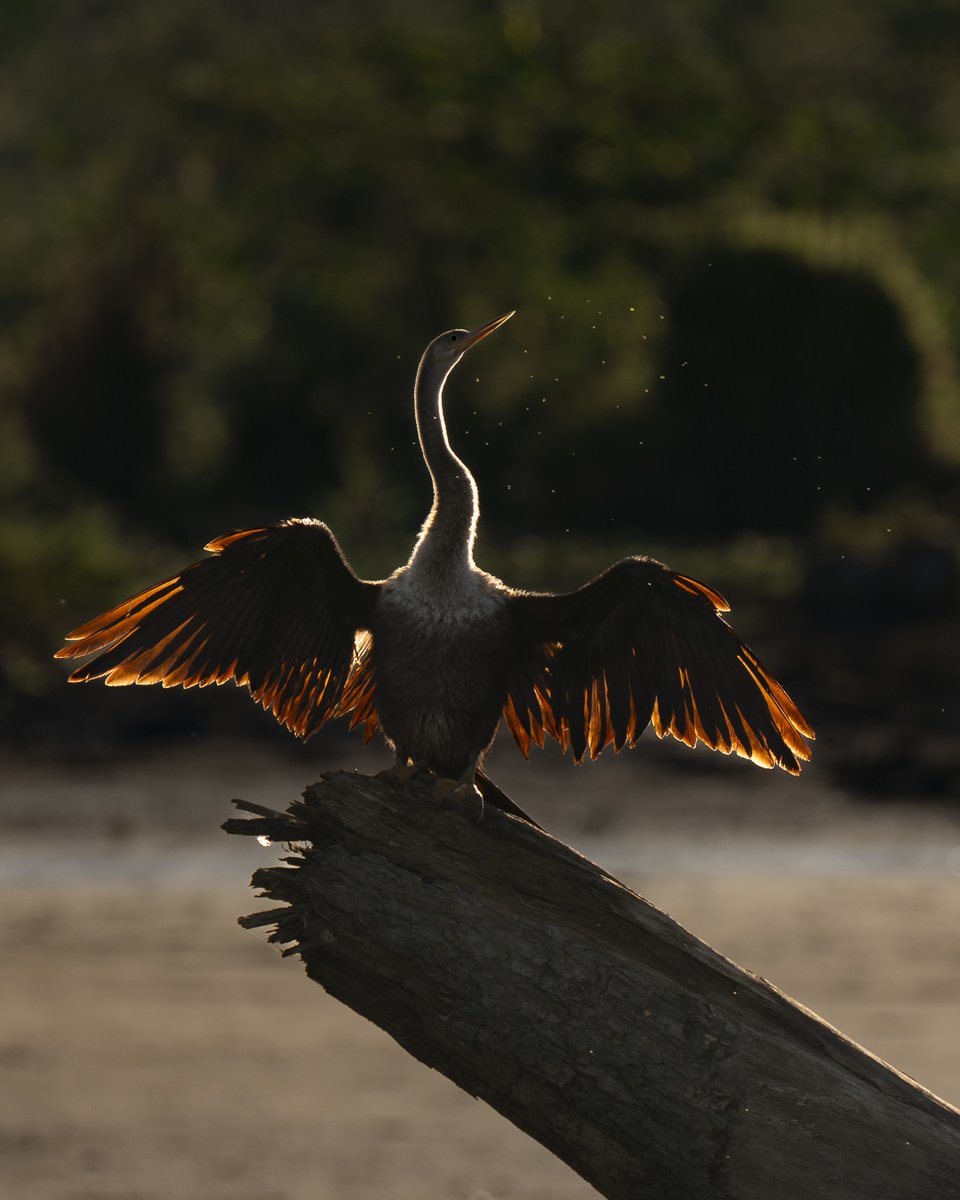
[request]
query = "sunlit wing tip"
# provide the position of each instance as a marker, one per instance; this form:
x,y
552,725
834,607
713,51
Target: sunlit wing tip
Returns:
x,y
800,722
793,754
83,647
683,732
791,738
763,755
778,694
788,709
120,676
698,726
759,751
695,587
84,675
517,728
220,543
80,639
548,718
111,623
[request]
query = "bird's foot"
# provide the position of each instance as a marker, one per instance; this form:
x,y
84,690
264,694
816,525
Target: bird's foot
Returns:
x,y
462,795
399,773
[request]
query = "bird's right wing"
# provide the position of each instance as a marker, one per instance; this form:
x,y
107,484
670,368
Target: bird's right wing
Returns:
x,y
276,610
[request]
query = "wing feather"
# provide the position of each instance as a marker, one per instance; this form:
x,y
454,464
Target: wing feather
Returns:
x,y
276,610
643,645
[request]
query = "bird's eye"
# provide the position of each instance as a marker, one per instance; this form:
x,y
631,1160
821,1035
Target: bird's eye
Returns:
x,y
453,337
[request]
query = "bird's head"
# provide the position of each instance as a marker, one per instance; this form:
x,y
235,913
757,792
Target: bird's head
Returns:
x,y
447,349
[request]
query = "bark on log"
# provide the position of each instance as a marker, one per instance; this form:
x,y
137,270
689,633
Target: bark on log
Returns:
x,y
645,1060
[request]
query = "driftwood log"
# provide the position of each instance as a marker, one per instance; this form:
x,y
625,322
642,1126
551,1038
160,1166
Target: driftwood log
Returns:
x,y
645,1060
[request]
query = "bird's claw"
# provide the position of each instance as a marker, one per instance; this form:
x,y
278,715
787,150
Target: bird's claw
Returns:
x,y
399,773
460,795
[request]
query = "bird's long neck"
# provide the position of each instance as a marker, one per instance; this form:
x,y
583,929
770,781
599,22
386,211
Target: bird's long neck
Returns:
x,y
445,544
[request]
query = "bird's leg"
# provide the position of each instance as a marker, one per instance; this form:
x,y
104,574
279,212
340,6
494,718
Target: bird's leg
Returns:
x,y
462,793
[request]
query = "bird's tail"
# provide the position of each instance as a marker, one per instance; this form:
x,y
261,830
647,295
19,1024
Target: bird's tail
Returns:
x,y
493,795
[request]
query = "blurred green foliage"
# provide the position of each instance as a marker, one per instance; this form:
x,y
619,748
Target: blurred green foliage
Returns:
x,y
229,229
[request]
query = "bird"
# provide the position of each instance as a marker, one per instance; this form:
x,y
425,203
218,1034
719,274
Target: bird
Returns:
x,y
440,652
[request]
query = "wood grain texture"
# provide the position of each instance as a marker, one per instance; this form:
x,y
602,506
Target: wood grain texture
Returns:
x,y
645,1060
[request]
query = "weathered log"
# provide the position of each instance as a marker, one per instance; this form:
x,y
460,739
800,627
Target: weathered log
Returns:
x,y
645,1060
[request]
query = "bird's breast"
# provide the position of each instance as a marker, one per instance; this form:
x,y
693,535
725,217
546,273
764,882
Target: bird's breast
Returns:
x,y
444,597
441,659
442,628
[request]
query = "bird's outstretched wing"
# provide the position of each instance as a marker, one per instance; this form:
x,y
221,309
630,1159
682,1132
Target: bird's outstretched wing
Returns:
x,y
275,610
640,644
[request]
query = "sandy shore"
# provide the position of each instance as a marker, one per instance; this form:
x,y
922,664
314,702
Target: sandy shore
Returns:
x,y
151,1048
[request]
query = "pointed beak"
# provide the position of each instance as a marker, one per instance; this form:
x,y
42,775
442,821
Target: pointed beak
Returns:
x,y
477,335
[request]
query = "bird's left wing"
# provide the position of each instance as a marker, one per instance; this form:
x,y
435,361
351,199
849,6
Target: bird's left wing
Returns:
x,y
276,610
641,644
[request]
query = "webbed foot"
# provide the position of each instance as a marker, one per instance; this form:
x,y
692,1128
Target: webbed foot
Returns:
x,y
462,795
400,773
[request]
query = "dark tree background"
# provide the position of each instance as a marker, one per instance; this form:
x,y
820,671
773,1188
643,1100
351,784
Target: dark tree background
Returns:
x,y
730,229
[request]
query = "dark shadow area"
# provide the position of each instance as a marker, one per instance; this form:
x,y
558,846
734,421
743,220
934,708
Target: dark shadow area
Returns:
x,y
94,399
787,389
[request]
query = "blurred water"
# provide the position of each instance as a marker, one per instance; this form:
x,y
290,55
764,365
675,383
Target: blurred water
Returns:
x,y
156,821
766,856
208,863
29,863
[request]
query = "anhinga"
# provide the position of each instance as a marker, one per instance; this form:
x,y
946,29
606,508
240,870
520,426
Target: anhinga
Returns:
x,y
437,653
